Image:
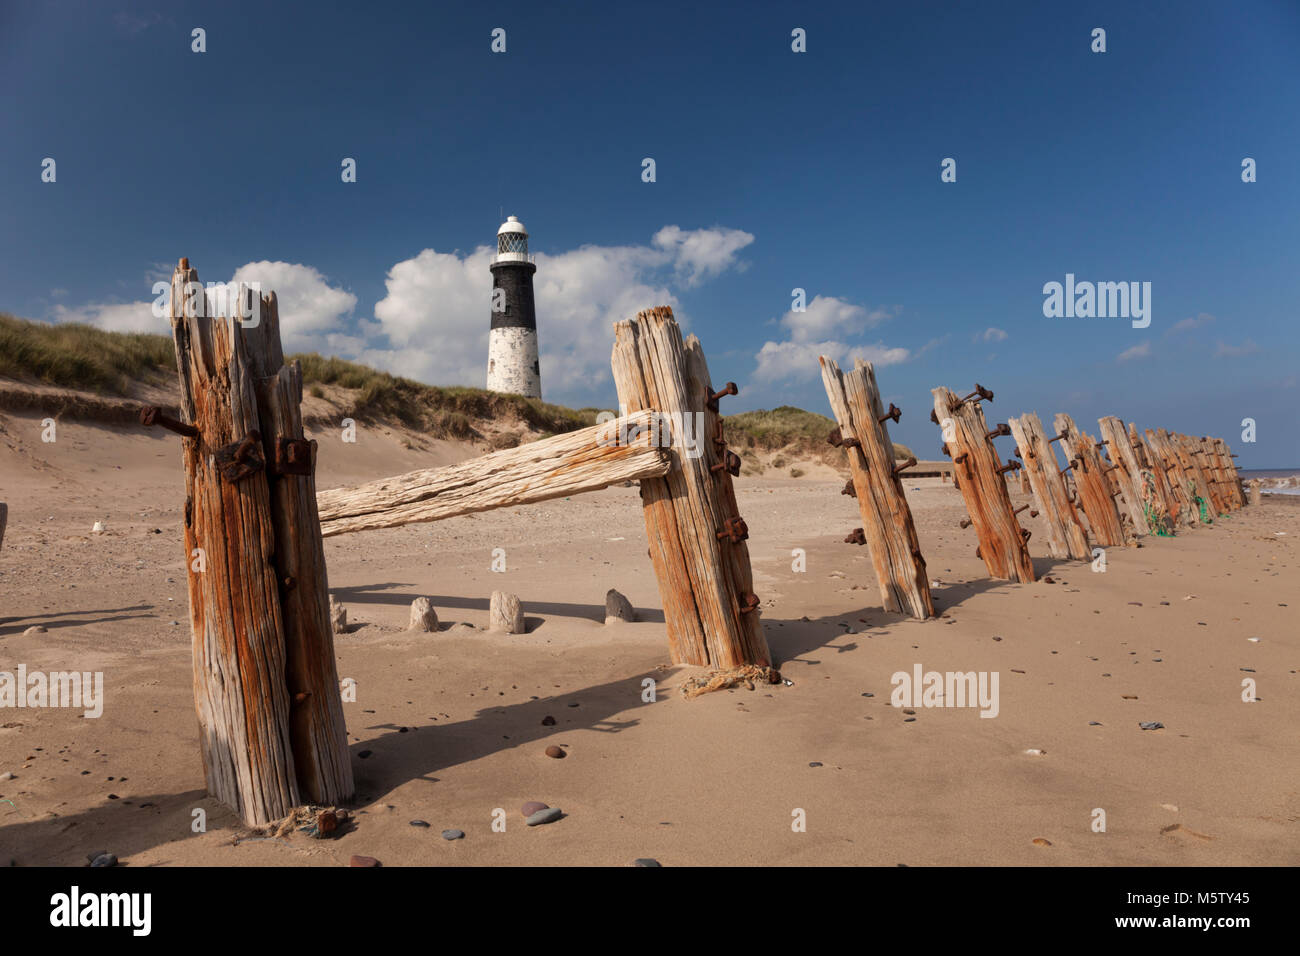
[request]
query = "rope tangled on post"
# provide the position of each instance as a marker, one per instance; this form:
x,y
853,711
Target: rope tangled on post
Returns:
x,y
747,674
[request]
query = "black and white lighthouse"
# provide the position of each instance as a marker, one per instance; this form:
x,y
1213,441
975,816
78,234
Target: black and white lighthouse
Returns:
x,y
512,344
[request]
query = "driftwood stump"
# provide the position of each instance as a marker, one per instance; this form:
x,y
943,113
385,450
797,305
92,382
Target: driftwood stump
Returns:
x,y
886,517
1065,535
1095,492
697,537
265,687
1002,543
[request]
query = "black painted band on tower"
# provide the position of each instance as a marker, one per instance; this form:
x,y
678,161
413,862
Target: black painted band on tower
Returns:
x,y
516,279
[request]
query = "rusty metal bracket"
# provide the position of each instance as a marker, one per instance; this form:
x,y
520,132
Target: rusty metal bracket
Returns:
x,y
899,469
894,414
735,529
849,490
294,456
240,459
154,415
730,462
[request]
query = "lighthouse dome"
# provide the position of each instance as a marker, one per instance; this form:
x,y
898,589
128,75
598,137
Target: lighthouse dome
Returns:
x,y
512,242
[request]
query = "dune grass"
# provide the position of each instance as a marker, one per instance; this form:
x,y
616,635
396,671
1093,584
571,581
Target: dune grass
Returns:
x,y
789,428
81,356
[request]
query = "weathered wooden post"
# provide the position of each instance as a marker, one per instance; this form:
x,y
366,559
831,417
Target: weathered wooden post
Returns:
x,y
1163,500
1180,486
1193,477
265,687
886,517
1127,473
968,440
1230,470
4,520
697,537
1065,535
1194,457
1095,494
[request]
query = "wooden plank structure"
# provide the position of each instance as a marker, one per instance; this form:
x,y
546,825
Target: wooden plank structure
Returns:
x,y
1065,535
697,537
968,440
1192,476
1168,469
1230,471
887,525
625,449
265,683
1094,491
1127,471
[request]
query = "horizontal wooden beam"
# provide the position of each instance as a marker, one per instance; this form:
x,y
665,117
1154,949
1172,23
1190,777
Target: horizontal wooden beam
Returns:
x,y
624,449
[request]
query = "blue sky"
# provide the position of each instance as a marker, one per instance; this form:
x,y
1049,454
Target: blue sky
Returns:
x,y
775,170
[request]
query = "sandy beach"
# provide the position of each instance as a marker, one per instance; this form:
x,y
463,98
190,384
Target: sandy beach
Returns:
x,y
448,728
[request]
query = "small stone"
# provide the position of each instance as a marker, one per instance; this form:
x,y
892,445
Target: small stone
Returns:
x,y
618,608
327,822
1151,725
98,528
363,861
423,616
1039,841
646,861
338,619
549,815
505,613
1048,580
90,857
363,754
420,823
34,629
1035,752
104,859
554,751
1094,723
7,775
533,806
548,721
453,835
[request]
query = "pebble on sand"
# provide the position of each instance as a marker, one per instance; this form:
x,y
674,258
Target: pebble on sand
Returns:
x,y
549,815
104,859
338,617
646,861
1151,725
423,616
533,806
505,613
453,835
363,861
34,629
618,608
556,752
420,823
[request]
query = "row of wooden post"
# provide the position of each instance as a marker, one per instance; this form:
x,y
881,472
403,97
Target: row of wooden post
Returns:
x,y
1140,486
265,681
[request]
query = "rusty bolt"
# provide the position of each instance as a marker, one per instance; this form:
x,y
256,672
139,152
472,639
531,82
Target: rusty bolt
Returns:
x,y
153,415
1057,438
1020,509
904,466
983,393
1033,513
1009,466
1069,466
856,536
751,603
933,417
1000,431
728,389
246,445
960,459
849,490
834,437
978,553
1026,534
894,413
